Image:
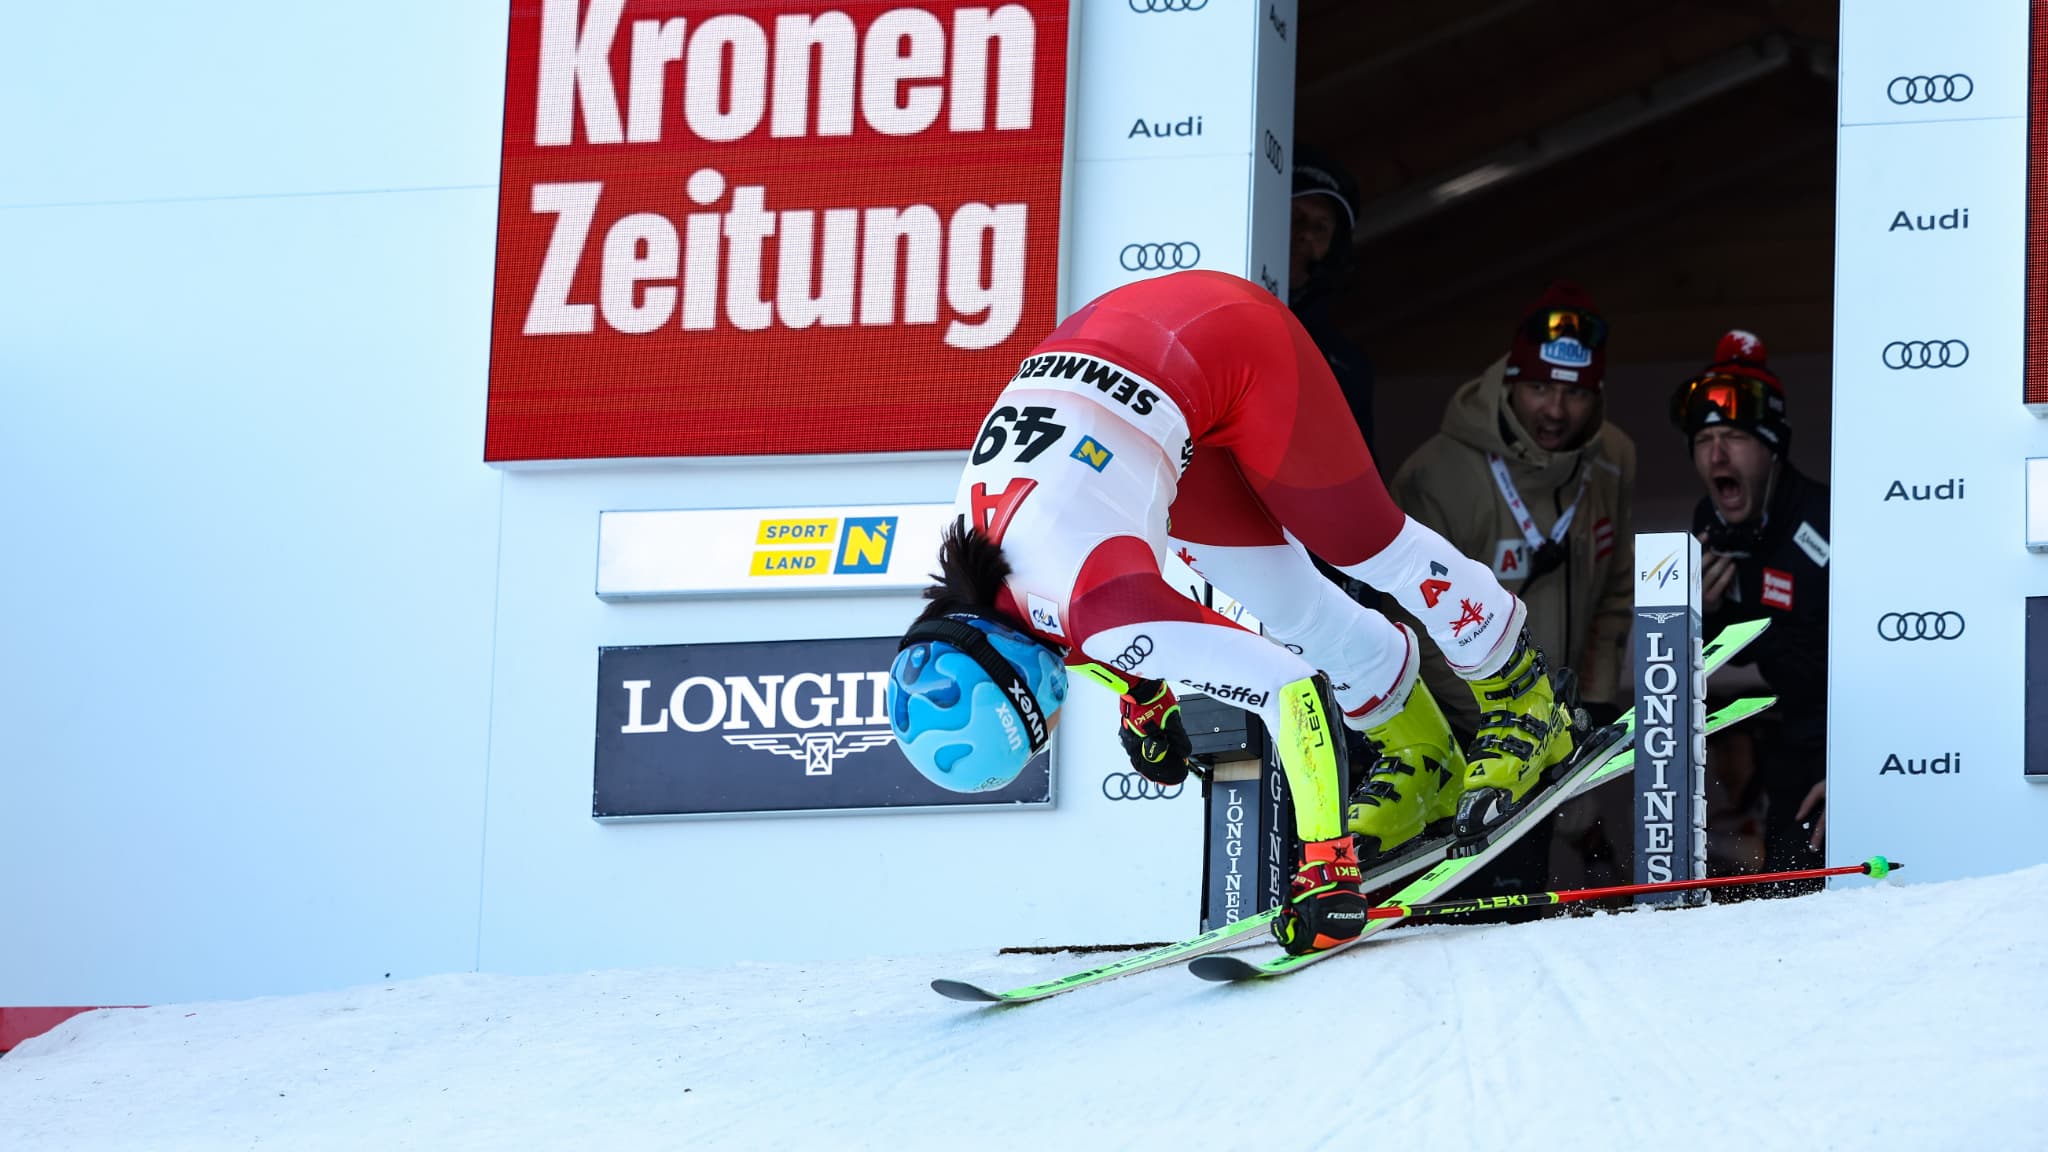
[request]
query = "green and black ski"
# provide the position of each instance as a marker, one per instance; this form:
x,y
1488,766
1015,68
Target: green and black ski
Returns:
x,y
1592,771
1429,854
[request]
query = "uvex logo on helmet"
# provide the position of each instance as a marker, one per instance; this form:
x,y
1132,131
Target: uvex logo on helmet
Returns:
x,y
1027,707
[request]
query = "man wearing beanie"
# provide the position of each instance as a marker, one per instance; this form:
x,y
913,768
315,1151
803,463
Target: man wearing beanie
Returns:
x,y
1325,208
1527,476
1763,527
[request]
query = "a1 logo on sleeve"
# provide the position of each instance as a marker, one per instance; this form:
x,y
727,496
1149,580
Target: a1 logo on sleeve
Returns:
x,y
1777,589
1511,559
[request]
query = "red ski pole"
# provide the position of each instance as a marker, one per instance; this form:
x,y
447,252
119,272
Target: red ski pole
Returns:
x,y
1876,866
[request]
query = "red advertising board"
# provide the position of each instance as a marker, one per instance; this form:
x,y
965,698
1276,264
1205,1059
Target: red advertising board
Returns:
x,y
771,227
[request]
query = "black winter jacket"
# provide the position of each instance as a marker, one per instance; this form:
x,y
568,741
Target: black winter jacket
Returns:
x,y
1781,572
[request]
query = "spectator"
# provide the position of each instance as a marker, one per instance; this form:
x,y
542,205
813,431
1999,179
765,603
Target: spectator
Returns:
x,y
1763,527
1527,476
1325,210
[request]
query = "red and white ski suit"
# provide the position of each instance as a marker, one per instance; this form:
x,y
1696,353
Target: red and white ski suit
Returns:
x,y
1191,412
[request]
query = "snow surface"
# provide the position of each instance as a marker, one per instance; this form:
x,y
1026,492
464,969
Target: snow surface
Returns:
x,y
1891,1016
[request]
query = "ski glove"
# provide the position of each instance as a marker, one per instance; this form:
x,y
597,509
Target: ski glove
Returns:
x,y
1152,733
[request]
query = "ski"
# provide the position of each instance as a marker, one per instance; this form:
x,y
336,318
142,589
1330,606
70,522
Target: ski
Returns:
x,y
1210,941
1427,851
1608,764
1424,855
1214,940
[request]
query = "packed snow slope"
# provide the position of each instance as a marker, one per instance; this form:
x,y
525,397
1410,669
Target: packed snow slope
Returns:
x,y
1891,1016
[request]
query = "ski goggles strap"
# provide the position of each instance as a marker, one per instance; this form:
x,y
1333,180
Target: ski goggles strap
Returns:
x,y
975,643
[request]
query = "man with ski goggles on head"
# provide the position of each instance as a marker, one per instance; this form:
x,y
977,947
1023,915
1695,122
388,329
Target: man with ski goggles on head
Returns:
x,y
1527,475
1763,526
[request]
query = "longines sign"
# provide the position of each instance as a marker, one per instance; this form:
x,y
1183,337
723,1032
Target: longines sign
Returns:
x,y
783,726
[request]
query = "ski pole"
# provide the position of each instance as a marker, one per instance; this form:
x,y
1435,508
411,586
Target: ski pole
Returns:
x,y
1876,866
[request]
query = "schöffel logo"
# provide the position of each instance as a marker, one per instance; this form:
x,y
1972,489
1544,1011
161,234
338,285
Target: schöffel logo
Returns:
x,y
1231,694
1902,354
1131,786
1160,257
1167,5
1920,626
1951,89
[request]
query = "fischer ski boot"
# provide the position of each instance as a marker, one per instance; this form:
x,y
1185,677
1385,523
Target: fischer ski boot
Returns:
x,y
1324,906
1524,729
1414,783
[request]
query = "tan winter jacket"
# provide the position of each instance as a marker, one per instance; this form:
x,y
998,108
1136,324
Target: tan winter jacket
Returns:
x,y
1579,612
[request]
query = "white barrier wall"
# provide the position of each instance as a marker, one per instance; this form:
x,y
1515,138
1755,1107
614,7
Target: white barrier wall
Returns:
x,y
560,891
1929,572
295,692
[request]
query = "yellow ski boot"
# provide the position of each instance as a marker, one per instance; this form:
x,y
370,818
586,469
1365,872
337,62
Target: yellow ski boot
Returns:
x,y
1414,782
1524,729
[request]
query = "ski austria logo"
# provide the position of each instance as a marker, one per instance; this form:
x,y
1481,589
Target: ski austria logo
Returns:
x,y
1566,352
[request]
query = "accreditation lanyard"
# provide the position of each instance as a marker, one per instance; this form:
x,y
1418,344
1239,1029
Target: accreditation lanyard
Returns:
x,y
1508,492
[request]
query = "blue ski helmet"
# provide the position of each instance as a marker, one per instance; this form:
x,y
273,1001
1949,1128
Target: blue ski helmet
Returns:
x,y
971,700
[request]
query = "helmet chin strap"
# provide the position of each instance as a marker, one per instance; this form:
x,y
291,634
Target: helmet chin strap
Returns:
x,y
975,643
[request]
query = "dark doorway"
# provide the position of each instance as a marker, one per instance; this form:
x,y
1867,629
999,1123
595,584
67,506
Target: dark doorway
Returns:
x,y
1675,158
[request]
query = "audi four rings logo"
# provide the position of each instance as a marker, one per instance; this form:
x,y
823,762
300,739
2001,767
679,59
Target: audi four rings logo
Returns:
x,y
1131,786
1167,5
1920,625
1159,257
1930,89
1926,354
1139,648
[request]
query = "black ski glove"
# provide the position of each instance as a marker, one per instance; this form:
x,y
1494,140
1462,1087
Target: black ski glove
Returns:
x,y
1152,733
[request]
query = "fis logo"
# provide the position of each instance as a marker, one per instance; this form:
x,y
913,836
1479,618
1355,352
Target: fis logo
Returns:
x,y
1662,572
849,546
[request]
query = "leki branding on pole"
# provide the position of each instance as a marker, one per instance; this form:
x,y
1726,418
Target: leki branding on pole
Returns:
x,y
771,228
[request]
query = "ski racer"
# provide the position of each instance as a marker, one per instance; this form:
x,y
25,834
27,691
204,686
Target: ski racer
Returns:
x,y
1192,412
